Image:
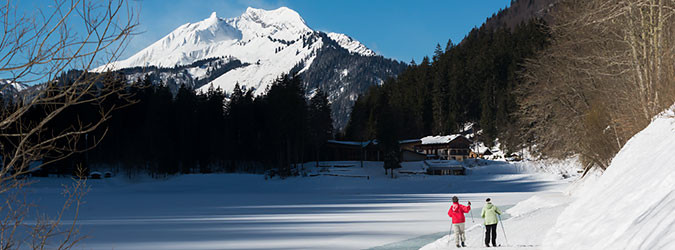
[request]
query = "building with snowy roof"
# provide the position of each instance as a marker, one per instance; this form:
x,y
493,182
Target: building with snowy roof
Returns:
x,y
446,147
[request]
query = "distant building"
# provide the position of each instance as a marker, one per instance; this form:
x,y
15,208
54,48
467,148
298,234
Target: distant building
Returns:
x,y
480,151
444,167
448,147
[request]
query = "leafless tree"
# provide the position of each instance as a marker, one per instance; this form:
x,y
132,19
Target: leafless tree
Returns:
x,y
37,47
608,71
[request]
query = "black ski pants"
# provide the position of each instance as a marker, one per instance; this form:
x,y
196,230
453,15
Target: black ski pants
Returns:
x,y
491,233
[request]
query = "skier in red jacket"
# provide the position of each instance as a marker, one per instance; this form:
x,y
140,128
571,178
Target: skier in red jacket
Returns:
x,y
457,212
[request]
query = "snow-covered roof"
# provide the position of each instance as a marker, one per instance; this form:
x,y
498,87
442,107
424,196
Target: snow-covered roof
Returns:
x,y
409,141
440,139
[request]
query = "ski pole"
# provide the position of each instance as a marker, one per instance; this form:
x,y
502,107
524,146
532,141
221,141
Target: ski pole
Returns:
x,y
471,214
450,231
502,224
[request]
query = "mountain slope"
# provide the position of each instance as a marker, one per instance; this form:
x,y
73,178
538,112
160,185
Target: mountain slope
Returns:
x,y
631,205
254,50
13,91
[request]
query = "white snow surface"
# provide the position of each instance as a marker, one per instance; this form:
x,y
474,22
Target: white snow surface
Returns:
x,y
527,222
631,205
271,41
343,206
570,167
523,231
350,44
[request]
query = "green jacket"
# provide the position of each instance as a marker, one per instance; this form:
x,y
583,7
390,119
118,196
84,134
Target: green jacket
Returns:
x,y
490,213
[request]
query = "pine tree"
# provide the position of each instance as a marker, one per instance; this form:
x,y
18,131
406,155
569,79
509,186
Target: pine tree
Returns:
x,y
320,123
386,136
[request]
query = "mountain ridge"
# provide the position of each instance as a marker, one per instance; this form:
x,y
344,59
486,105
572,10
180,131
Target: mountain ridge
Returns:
x,y
265,44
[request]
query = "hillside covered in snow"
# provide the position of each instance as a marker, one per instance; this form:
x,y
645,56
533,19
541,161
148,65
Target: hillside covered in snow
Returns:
x,y
255,49
628,206
631,205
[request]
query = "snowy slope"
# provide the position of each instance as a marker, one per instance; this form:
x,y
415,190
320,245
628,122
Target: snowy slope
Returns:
x,y
271,42
350,44
631,205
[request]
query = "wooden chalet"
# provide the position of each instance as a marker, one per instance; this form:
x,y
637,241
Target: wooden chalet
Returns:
x,y
480,152
449,147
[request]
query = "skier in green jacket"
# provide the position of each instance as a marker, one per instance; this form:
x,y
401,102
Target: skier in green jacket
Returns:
x,y
490,213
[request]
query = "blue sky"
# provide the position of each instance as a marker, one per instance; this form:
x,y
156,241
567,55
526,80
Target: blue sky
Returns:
x,y
397,29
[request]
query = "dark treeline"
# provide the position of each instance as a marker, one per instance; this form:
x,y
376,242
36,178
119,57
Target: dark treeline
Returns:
x,y
205,132
192,132
469,82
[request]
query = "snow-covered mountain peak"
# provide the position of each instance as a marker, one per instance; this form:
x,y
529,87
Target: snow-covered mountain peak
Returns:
x,y
212,20
283,17
254,37
253,50
350,44
282,23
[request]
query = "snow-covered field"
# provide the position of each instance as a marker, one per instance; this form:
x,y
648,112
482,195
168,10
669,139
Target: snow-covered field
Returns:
x,y
243,211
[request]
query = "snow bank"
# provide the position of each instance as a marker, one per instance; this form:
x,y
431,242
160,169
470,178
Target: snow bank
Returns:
x,y
538,202
631,205
570,167
583,185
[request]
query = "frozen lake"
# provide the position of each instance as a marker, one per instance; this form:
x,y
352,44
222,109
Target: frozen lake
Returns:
x,y
242,211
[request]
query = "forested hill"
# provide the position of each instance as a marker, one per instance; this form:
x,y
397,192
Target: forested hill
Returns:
x,y
520,11
470,82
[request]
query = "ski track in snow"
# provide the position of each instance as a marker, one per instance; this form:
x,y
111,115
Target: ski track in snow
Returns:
x,y
245,211
524,231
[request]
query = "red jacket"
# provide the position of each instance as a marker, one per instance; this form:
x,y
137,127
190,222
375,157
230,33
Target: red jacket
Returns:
x,y
457,211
